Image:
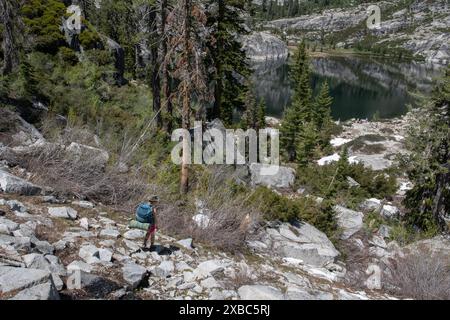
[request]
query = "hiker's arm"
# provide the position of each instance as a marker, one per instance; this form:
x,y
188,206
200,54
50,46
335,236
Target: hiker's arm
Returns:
x,y
155,215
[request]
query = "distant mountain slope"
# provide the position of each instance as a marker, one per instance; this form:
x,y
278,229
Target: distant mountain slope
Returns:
x,y
417,28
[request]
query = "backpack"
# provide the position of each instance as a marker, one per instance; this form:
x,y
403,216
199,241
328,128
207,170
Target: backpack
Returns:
x,y
144,213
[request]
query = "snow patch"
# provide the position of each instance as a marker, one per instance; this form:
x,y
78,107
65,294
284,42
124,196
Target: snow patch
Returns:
x,y
337,142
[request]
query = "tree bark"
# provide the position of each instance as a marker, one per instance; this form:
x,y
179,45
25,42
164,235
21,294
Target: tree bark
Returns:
x,y
167,90
218,90
442,182
8,15
186,96
155,62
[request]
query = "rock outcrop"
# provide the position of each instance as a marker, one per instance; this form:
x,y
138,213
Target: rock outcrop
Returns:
x,y
271,177
331,20
303,242
32,284
264,46
51,247
258,292
98,157
421,28
374,144
349,221
12,184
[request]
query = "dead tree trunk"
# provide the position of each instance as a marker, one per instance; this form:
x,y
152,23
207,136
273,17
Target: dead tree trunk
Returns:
x,y
218,89
155,63
186,96
439,199
167,90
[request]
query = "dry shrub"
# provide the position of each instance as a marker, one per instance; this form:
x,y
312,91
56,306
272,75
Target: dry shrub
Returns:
x,y
241,277
83,178
228,228
422,275
230,220
80,135
357,260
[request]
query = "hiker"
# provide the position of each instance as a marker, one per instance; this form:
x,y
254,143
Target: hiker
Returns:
x,y
146,213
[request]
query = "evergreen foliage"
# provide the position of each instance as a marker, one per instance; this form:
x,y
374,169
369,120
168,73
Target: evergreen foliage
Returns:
x,y
231,66
307,143
429,163
30,81
307,123
255,114
116,20
278,207
324,121
277,9
43,18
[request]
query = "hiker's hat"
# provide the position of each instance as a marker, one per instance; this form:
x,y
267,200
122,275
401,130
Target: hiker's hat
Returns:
x,y
153,198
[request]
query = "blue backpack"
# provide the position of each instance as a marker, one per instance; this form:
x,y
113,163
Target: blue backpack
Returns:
x,y
144,213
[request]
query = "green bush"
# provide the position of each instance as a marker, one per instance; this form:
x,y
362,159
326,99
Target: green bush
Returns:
x,y
330,181
83,89
400,231
67,55
43,19
99,57
89,38
278,207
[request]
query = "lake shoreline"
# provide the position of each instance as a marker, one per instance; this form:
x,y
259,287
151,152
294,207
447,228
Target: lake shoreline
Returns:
x,y
330,53
375,144
362,87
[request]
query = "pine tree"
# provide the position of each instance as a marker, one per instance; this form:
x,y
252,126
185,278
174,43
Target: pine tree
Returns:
x,y
343,165
339,179
300,75
322,110
304,113
43,18
117,20
186,88
255,114
155,62
299,113
249,119
322,107
166,78
229,58
30,80
429,162
186,38
261,115
307,143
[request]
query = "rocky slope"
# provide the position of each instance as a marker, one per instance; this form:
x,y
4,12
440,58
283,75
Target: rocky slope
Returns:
x,y
42,245
55,247
263,46
422,28
375,144
364,73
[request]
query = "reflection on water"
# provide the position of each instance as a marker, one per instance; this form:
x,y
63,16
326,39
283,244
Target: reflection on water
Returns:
x,y
361,87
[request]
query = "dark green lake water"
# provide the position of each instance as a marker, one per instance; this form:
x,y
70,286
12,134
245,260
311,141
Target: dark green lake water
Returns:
x,y
360,87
